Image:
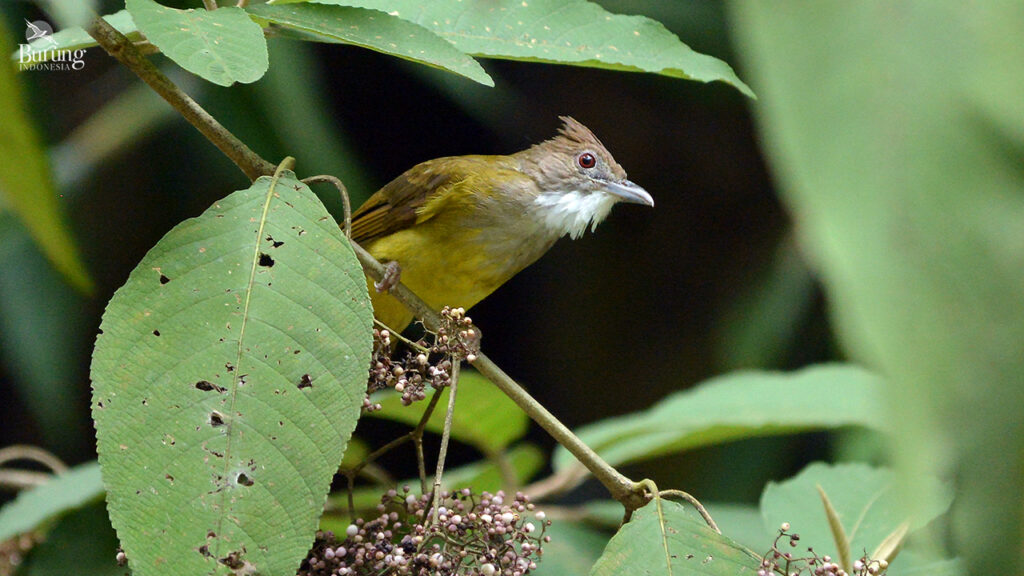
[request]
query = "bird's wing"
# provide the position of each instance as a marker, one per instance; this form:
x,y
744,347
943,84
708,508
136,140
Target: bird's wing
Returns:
x,y
399,204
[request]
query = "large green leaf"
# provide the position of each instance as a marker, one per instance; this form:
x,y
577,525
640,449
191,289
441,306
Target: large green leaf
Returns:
x,y
26,184
227,379
223,46
740,405
866,499
664,538
484,416
371,29
65,492
558,31
897,134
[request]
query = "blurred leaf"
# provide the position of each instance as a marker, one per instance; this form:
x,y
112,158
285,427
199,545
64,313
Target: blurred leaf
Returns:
x,y
371,29
43,337
223,46
67,14
76,38
897,132
558,31
912,564
671,541
761,326
526,460
318,145
734,406
484,416
866,499
36,506
742,523
124,120
26,185
573,550
227,380
82,543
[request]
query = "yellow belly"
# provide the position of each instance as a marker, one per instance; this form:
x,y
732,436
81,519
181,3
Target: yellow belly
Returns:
x,y
451,271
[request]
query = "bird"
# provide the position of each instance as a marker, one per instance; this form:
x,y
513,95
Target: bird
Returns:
x,y
454,229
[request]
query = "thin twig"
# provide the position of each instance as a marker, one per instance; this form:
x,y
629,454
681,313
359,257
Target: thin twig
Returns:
x,y
632,495
445,434
345,203
509,478
693,502
32,454
210,4
421,465
16,480
119,46
414,345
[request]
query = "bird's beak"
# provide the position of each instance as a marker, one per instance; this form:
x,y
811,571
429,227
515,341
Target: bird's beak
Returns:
x,y
627,191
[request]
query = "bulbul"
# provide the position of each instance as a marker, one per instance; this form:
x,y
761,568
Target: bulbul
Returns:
x,y
459,227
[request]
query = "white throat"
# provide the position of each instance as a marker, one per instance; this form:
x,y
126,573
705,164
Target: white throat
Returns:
x,y
571,212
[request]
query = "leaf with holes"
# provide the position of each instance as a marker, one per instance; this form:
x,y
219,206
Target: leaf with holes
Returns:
x,y
664,537
223,46
227,379
573,32
370,29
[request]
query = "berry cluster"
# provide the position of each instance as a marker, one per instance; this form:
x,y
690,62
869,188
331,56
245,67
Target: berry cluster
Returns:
x,y
425,363
786,564
471,537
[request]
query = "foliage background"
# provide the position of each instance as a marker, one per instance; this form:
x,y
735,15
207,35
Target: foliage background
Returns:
x,y
712,279
560,326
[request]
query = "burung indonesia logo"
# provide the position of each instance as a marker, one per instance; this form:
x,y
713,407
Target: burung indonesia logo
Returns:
x,y
43,53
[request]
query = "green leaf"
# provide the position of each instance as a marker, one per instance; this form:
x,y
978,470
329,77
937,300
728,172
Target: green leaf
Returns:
x,y
742,523
371,29
524,460
223,46
227,379
26,184
738,405
76,38
866,500
43,337
484,417
905,178
65,492
573,549
558,31
82,543
664,538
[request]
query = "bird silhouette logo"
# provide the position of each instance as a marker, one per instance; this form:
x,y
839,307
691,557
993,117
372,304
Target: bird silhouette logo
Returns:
x,y
41,31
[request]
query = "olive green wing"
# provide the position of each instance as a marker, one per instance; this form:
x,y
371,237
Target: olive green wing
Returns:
x,y
400,203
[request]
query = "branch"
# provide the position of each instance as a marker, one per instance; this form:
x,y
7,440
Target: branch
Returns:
x,y
120,47
631,494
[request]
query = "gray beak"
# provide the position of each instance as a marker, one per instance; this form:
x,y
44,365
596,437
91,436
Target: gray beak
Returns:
x,y
628,192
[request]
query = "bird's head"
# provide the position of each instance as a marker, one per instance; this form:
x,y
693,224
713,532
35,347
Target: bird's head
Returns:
x,y
577,179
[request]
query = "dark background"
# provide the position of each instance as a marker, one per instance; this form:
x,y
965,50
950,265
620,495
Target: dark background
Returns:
x,y
655,301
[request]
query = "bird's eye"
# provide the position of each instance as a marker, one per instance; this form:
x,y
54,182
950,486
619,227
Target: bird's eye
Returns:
x,y
587,160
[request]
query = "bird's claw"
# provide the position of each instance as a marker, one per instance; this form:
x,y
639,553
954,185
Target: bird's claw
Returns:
x,y
392,274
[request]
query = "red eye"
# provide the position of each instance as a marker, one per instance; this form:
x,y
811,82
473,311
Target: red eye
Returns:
x,y
587,160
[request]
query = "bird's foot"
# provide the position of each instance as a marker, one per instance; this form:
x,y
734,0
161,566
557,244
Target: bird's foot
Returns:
x,y
392,274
